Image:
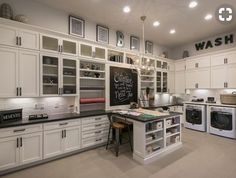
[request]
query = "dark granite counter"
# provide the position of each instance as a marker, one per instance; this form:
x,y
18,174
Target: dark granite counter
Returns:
x,y
69,116
53,118
160,106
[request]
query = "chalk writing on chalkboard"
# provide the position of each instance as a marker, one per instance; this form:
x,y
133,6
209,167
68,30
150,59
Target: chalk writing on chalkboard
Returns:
x,y
123,86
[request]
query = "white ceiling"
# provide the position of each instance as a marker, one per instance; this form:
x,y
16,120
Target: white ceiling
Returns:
x,y
189,23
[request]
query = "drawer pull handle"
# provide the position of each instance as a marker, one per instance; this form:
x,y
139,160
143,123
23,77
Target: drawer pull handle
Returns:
x,y
19,130
98,132
98,125
99,118
63,123
98,140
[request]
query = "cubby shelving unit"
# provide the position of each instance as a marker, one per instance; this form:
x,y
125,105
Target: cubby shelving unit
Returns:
x,y
92,85
147,80
172,131
115,56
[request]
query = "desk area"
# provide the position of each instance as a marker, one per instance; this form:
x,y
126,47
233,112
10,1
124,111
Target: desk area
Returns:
x,y
155,133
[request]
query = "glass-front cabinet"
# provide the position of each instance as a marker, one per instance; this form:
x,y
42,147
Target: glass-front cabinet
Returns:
x,y
161,82
58,75
59,45
161,65
90,51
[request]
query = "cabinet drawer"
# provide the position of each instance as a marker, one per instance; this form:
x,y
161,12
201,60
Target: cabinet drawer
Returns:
x,y
13,131
95,126
95,133
94,141
61,124
89,120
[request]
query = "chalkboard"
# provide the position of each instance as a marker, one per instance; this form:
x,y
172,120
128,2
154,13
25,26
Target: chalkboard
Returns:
x,y
123,86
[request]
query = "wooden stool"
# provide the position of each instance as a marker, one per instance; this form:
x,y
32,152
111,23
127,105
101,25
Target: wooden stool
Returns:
x,y
118,126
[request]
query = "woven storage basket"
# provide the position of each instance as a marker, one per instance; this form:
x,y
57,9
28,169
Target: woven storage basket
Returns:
x,y
228,98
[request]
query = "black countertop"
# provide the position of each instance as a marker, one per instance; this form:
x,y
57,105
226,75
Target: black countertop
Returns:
x,y
53,118
69,116
162,105
144,119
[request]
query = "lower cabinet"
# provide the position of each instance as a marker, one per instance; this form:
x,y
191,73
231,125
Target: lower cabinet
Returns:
x,y
19,150
61,141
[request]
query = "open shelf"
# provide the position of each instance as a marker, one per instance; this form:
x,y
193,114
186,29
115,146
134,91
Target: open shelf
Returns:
x,y
154,141
174,125
173,134
92,88
90,70
91,78
154,131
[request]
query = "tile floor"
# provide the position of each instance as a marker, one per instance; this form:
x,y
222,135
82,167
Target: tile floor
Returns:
x,y
202,156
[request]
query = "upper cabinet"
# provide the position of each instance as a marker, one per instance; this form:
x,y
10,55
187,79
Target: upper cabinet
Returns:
x,y
91,51
19,38
180,77
59,75
58,45
196,63
160,64
19,72
223,59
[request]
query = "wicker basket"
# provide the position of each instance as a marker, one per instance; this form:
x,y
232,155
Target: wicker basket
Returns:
x,y
228,98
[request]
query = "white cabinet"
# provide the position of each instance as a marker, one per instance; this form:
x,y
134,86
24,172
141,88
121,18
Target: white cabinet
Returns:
x,y
218,77
198,78
201,62
8,72
53,143
31,148
9,153
19,38
58,45
59,75
19,72
61,138
222,59
28,73
180,82
90,51
16,150
231,74
171,82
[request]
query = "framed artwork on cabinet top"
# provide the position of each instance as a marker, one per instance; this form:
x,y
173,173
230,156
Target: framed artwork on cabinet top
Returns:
x,y
148,47
102,34
76,26
134,43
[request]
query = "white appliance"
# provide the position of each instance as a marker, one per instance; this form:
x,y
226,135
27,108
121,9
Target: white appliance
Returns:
x,y
195,117
222,121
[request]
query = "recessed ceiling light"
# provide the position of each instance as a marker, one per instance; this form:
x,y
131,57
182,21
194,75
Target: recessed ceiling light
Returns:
x,y
156,23
192,4
208,17
126,9
172,31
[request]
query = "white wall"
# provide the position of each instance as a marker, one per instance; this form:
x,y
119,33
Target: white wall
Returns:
x,y
177,53
47,17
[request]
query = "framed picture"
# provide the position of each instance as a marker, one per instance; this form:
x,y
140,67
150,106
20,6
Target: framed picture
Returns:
x,y
134,43
102,34
76,26
120,39
148,47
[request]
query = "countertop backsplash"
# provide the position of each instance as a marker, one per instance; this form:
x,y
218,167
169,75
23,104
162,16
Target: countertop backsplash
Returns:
x,y
49,105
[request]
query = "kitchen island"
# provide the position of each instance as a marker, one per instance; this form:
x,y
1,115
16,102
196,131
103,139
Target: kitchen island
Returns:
x,y
155,134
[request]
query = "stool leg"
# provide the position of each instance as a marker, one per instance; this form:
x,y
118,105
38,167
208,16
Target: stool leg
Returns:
x,y
108,139
117,141
130,139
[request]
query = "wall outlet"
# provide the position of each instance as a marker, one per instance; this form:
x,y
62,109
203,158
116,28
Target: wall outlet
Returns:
x,y
39,106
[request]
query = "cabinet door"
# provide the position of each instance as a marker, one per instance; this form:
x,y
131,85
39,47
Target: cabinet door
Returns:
x,y
180,66
218,60
191,79
29,73
9,153
218,76
69,79
230,58
203,78
164,82
29,39
31,149
99,53
49,43
180,82
8,36
86,50
171,82
231,74
72,139
69,47
50,75
8,72
158,81
53,143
